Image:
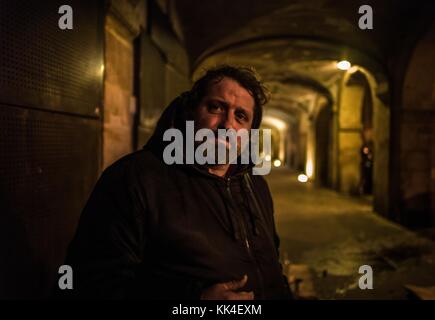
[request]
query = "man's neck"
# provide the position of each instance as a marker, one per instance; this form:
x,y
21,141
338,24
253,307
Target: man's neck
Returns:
x,y
219,170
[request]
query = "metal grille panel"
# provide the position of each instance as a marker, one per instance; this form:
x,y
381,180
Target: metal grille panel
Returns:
x,y
45,67
50,136
48,165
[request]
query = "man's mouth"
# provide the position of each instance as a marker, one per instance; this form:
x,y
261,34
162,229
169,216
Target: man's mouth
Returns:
x,y
223,141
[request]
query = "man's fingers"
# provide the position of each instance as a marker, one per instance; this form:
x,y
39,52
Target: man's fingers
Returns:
x,y
243,295
236,284
228,291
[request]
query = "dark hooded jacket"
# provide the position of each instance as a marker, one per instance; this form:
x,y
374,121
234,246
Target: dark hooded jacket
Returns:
x,y
157,231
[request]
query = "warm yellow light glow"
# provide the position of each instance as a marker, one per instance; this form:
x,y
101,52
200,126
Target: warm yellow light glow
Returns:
x,y
343,65
309,168
267,157
274,122
302,178
277,163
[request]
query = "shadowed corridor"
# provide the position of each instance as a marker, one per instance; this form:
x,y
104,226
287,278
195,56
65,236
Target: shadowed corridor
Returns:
x,y
334,235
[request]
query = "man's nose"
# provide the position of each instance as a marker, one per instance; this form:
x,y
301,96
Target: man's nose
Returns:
x,y
227,121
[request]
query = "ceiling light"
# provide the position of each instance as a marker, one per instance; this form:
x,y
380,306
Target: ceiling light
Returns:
x,y
343,65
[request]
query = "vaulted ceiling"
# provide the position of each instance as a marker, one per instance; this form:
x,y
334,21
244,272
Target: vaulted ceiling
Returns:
x,y
295,44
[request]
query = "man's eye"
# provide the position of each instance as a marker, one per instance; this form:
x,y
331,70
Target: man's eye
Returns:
x,y
214,108
241,116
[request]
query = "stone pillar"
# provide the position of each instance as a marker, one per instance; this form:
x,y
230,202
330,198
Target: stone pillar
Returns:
x,y
349,138
417,123
381,139
122,25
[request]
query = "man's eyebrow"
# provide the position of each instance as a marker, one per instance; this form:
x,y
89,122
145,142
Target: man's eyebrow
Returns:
x,y
226,104
219,100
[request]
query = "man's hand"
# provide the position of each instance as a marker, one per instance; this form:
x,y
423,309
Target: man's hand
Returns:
x,y
227,291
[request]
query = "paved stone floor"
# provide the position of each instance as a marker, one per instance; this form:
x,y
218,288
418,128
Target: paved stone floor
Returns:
x,y
335,234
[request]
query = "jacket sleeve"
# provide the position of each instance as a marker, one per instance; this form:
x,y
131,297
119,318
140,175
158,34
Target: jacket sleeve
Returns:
x,y
107,246
107,252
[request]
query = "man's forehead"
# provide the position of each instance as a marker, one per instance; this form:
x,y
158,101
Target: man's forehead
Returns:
x,y
231,89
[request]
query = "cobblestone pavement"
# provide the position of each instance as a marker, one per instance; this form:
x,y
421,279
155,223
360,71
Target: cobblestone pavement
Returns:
x,y
335,234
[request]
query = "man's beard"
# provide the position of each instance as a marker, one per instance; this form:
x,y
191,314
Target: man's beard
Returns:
x,y
226,149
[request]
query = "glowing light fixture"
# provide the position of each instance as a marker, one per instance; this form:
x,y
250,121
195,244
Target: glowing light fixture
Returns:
x,y
267,157
343,65
302,178
277,163
309,168
275,122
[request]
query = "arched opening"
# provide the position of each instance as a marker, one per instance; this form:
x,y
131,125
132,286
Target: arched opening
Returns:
x,y
356,142
279,136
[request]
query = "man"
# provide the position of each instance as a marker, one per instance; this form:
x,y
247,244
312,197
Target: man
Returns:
x,y
188,231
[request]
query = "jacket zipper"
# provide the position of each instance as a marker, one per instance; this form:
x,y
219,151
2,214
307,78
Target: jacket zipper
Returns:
x,y
245,236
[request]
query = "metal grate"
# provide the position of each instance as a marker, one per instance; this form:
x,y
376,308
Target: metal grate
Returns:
x,y
49,163
50,136
45,67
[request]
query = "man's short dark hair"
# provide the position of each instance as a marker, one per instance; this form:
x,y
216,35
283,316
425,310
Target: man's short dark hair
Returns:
x,y
245,76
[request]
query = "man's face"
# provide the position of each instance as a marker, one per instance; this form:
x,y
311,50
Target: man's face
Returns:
x,y
227,105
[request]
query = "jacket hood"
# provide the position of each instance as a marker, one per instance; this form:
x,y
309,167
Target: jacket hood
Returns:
x,y
175,116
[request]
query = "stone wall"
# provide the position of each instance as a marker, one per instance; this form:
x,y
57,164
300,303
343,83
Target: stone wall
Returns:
x,y
417,136
146,66
123,23
349,138
164,69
